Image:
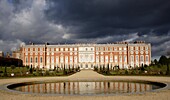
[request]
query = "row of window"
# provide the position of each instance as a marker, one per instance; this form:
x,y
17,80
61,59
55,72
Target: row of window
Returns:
x,y
98,59
36,60
97,53
97,48
51,49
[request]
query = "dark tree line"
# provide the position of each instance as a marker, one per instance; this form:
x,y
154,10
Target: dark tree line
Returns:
x,y
163,60
10,61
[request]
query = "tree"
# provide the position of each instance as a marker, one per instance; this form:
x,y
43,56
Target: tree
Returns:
x,y
27,67
142,68
163,60
167,63
64,70
5,72
31,69
13,67
155,61
57,68
108,70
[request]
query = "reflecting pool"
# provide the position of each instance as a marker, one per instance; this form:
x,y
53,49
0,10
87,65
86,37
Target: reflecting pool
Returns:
x,y
85,88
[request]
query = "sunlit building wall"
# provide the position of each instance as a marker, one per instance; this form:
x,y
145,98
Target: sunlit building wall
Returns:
x,y
86,56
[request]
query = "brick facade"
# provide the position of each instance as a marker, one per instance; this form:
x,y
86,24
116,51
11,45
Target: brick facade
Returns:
x,y
86,56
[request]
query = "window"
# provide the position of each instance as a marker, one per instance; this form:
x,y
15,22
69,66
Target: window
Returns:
x,y
26,60
48,59
75,49
41,60
111,58
71,59
52,59
124,58
66,49
91,58
147,58
146,48
36,60
115,58
111,48
136,48
81,58
66,59
137,52
71,49
97,48
115,48
91,65
102,59
57,59
61,49
124,48
141,58
97,58
101,48
31,60
132,58
141,48
120,48
71,53
86,66
57,49
106,58
91,49
131,48
137,58
75,59
120,58
61,59
106,48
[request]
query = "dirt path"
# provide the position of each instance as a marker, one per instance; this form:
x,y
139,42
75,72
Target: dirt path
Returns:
x,y
86,74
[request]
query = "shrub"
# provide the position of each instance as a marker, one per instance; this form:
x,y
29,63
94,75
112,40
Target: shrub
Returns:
x,y
47,73
133,72
126,72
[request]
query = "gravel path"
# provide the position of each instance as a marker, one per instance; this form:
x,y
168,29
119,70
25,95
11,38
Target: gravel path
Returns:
x,y
86,75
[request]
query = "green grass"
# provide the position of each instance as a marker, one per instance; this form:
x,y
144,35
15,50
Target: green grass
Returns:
x,y
152,70
21,72
16,70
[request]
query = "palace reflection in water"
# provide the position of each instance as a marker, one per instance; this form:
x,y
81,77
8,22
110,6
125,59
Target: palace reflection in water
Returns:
x,y
86,88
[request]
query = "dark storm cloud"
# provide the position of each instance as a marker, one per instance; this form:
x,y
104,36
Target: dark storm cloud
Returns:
x,y
111,16
91,19
85,21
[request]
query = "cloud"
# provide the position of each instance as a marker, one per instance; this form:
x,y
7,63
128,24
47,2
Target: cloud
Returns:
x,y
10,45
85,21
132,37
28,24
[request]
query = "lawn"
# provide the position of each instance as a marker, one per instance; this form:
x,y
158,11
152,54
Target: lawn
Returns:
x,y
25,71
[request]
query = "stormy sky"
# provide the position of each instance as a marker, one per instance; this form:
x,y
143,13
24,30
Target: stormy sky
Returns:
x,y
85,21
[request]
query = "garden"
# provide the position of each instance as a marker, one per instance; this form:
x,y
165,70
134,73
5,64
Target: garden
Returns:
x,y
158,68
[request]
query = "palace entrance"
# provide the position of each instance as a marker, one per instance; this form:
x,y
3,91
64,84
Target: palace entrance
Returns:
x,y
86,57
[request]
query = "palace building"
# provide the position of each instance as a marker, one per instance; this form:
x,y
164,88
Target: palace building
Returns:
x,y
86,56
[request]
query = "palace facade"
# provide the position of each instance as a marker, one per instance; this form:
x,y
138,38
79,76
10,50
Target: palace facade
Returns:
x,y
86,56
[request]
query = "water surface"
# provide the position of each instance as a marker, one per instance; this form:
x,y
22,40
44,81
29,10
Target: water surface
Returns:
x,y
85,88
